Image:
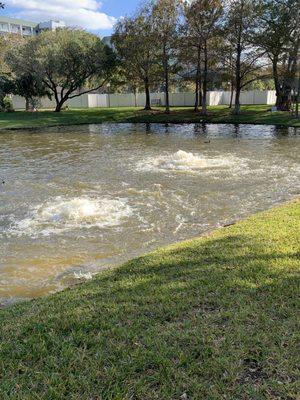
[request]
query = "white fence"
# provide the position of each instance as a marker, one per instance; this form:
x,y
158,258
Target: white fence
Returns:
x,y
176,100
78,102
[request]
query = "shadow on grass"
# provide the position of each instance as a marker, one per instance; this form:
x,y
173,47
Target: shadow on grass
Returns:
x,y
209,318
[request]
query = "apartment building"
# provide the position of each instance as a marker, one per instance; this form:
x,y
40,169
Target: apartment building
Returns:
x,y
27,28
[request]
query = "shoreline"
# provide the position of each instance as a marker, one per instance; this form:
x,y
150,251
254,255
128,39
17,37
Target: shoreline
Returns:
x,y
37,128
196,317
204,235
253,115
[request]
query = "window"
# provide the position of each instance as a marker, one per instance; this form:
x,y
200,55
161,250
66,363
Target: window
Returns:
x,y
15,28
26,30
4,27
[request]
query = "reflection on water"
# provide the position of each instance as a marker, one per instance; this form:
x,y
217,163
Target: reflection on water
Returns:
x,y
78,199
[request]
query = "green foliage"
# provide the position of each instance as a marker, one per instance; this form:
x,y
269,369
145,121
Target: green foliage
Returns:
x,y
65,61
246,60
165,17
208,41
211,318
259,84
7,44
278,33
136,48
6,104
277,25
6,87
199,43
202,17
30,87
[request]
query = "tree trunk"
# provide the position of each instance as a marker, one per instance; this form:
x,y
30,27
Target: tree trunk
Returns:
x,y
231,64
276,79
238,79
205,72
196,107
231,94
200,93
297,99
237,105
59,104
147,91
281,94
61,99
27,104
135,100
285,97
166,73
198,77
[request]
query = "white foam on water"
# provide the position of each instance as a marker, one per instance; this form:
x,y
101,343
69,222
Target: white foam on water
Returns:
x,y
63,214
188,162
83,275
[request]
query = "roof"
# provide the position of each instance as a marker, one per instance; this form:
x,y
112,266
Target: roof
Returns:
x,y
17,21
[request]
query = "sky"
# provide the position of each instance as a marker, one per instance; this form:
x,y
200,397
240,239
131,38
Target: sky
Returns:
x,y
95,16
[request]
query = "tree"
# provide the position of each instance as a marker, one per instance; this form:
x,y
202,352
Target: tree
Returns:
x,y
191,47
6,88
227,65
248,59
24,83
165,16
29,87
135,45
278,36
68,62
7,43
191,74
202,17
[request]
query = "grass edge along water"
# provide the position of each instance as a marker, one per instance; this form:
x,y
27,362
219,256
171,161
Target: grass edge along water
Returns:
x,y
207,318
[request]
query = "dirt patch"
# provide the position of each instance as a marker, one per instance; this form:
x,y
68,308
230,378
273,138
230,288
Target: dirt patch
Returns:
x,y
252,372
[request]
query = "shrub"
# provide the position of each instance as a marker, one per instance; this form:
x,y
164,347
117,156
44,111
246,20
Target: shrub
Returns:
x,y
7,104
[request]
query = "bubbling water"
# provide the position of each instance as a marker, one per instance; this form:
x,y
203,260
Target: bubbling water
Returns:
x,y
187,162
126,190
63,214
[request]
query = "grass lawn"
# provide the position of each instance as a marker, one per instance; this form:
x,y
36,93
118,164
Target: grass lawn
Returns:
x,y
250,114
211,318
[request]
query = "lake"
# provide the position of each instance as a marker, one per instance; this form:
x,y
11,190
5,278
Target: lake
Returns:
x,y
75,200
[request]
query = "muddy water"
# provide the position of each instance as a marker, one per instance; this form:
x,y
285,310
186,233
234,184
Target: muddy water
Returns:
x,y
78,199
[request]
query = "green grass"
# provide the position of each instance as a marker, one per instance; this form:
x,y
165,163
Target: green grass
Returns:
x,y
218,114
212,318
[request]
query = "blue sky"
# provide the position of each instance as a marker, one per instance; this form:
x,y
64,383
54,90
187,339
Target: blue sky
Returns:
x,y
93,15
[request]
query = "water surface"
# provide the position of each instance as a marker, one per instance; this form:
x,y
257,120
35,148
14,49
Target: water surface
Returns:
x,y
78,199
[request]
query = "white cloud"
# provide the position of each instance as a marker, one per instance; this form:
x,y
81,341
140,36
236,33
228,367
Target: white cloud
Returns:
x,y
83,13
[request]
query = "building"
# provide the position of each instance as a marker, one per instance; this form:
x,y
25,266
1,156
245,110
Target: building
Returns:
x,y
51,25
27,28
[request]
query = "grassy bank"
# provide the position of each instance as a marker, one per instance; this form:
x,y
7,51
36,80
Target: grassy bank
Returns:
x,y
210,318
222,114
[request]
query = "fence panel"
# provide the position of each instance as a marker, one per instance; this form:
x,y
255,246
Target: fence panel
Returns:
x,y
18,102
176,99
214,98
